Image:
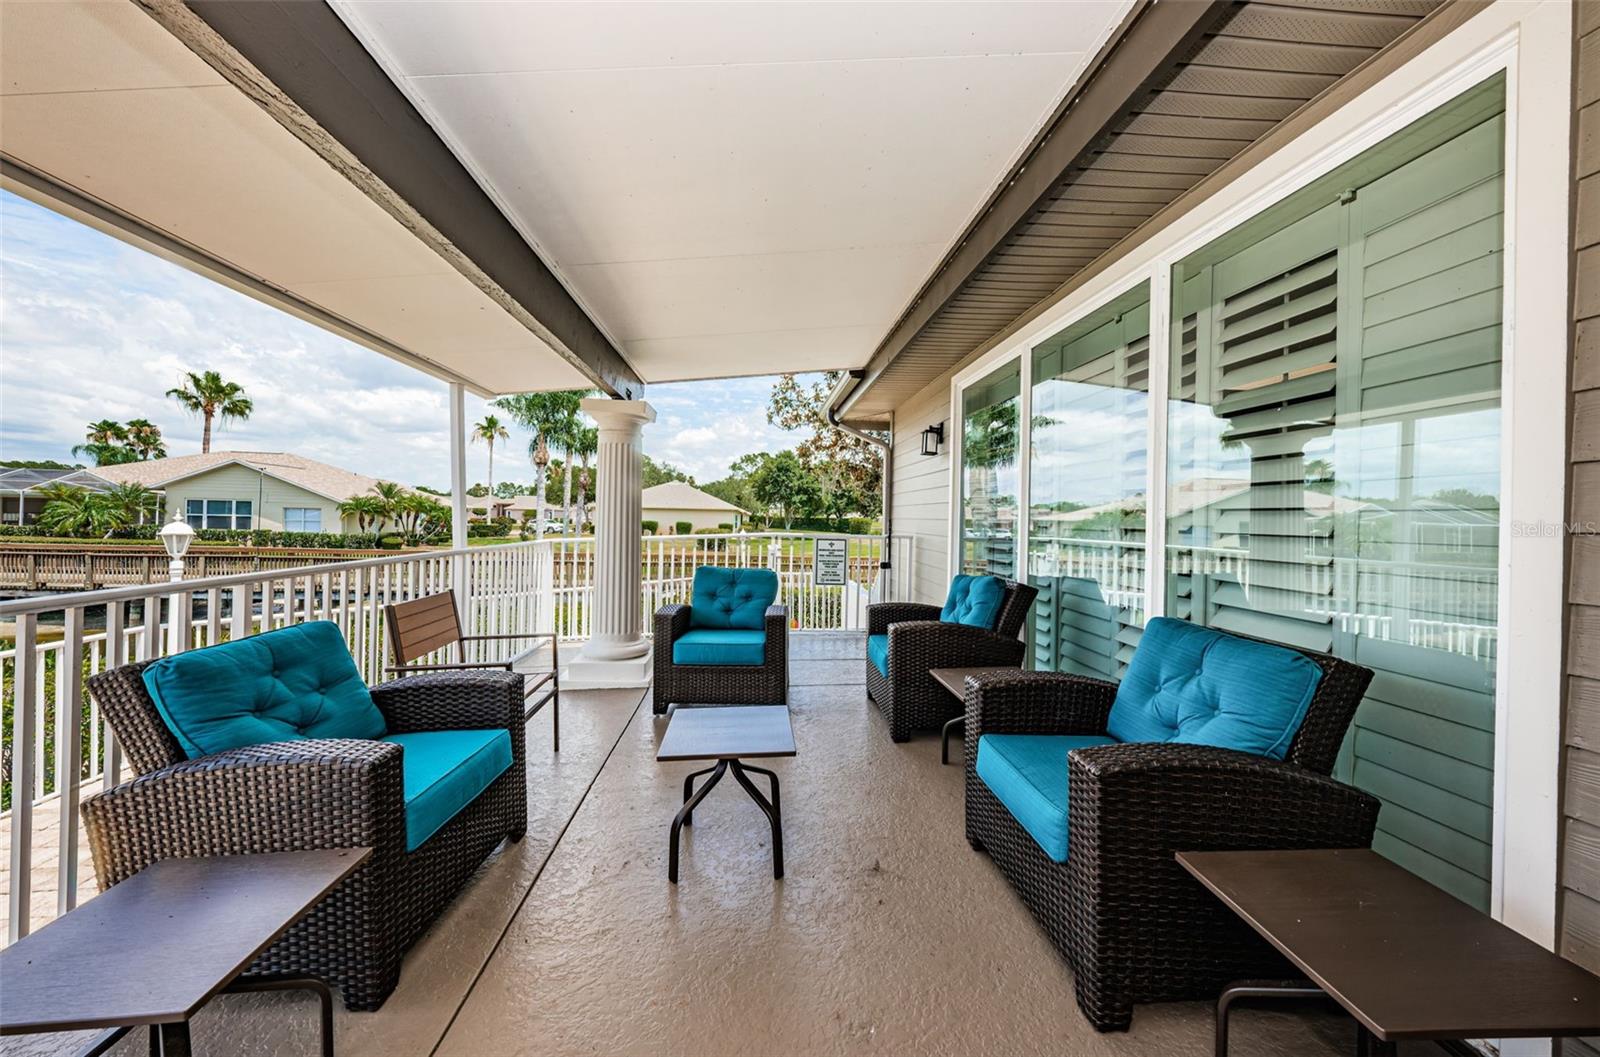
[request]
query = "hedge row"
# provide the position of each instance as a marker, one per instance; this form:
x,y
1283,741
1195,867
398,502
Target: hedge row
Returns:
x,y
242,537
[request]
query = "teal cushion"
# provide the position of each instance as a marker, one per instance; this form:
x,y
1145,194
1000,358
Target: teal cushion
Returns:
x,y
731,598
720,646
878,652
1028,774
285,685
1197,686
974,600
444,771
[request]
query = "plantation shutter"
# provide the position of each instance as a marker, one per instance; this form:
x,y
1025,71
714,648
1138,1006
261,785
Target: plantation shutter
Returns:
x,y
1090,606
1378,541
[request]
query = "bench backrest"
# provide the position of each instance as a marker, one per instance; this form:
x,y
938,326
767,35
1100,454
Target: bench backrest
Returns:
x,y
421,626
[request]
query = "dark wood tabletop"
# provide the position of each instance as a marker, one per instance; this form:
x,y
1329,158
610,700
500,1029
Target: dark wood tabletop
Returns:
x,y
955,679
1406,959
727,733
154,948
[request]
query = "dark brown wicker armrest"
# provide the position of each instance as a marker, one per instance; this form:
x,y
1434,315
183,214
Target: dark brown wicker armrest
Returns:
x,y
1037,703
881,615
279,796
925,644
452,701
776,626
1163,798
671,621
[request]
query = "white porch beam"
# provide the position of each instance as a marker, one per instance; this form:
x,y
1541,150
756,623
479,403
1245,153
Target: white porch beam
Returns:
x,y
458,491
617,654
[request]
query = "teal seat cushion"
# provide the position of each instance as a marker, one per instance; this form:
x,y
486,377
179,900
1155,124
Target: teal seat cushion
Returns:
x,y
1028,774
731,598
285,685
878,652
1197,686
974,600
719,646
444,771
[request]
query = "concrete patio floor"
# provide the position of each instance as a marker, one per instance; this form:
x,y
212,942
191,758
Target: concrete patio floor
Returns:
x,y
888,934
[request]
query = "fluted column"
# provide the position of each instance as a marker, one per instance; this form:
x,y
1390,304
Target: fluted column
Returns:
x,y
616,653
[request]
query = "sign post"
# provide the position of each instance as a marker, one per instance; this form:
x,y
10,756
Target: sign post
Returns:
x,y
830,566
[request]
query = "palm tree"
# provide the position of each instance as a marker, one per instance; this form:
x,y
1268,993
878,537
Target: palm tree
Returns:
x,y
490,429
127,504
585,444
366,509
71,511
144,439
390,498
208,395
106,443
548,416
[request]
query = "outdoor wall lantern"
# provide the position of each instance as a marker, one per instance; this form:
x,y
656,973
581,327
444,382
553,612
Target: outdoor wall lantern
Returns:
x,y
176,536
932,437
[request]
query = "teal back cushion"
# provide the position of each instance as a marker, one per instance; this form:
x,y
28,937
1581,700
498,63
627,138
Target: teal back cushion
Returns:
x,y
1197,686
285,685
974,600
732,598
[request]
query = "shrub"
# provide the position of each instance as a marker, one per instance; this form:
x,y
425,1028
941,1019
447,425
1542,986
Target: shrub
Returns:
x,y
683,528
241,537
724,526
650,527
707,532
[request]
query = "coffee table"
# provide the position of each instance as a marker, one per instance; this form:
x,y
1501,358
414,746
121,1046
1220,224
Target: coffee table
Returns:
x,y
1406,959
727,734
155,948
955,681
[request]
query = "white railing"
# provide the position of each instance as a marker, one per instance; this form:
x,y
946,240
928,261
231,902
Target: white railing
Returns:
x,y
543,585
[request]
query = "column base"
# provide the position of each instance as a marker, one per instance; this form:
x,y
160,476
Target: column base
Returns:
x,y
587,674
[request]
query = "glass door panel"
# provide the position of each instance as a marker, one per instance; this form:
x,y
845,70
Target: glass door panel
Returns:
x,y
990,448
1086,502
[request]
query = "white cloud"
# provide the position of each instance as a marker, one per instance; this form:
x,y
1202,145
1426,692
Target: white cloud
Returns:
x,y
91,328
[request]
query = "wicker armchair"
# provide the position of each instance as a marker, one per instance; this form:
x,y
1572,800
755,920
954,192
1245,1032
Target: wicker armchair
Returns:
x,y
319,793
1133,926
919,641
732,600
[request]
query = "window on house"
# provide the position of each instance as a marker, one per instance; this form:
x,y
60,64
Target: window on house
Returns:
x,y
1086,489
218,513
1333,473
302,519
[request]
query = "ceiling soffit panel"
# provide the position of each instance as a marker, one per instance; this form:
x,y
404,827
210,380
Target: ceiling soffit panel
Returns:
x,y
1257,64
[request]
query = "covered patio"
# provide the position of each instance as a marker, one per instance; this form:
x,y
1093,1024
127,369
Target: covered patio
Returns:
x,y
1265,322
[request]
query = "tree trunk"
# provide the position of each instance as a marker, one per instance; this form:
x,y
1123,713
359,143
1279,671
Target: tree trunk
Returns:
x,y
566,488
538,502
491,475
205,437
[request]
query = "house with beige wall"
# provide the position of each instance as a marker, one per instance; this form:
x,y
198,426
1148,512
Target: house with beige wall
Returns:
x,y
249,489
675,501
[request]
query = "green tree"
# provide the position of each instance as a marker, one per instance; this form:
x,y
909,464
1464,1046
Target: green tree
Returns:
x,y
490,430
548,416
126,505
655,473
848,470
144,439
209,396
783,483
389,496
368,510
106,443
70,511
419,517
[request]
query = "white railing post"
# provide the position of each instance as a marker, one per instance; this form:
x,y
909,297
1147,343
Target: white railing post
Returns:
x,y
23,732
69,757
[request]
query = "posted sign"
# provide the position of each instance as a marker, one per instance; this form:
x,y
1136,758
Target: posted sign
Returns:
x,y
830,567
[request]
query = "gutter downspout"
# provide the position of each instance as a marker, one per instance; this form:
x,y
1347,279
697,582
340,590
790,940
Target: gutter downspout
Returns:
x,y
846,384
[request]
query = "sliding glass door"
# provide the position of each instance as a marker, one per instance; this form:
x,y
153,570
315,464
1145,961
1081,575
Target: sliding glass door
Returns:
x,y
1333,463
1090,413
990,472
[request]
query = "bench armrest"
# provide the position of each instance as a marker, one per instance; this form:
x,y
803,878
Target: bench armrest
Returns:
x,y
279,796
671,621
453,700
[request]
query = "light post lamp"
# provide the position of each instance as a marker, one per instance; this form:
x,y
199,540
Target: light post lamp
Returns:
x,y
176,535
541,459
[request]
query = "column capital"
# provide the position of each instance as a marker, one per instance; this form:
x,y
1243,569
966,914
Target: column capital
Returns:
x,y
619,414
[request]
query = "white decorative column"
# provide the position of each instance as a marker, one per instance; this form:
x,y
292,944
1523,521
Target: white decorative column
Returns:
x,y
616,654
458,497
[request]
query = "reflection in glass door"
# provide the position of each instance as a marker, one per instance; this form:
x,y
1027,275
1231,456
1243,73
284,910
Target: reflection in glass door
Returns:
x,y
1333,470
990,444
1086,503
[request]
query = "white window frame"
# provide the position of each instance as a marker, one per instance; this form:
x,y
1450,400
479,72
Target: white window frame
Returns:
x,y
233,513
1533,440
302,511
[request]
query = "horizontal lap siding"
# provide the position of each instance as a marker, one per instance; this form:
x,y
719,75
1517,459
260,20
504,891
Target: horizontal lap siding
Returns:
x,y
922,489
1580,846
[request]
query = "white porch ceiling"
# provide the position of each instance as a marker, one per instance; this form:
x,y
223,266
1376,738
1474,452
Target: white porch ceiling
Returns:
x,y
737,189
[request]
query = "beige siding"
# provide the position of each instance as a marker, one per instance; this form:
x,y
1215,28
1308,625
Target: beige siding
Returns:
x,y
922,489
268,494
1580,838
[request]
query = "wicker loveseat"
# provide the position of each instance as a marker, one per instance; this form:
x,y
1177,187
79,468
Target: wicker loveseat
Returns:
x,y
729,646
427,771
1081,791
907,640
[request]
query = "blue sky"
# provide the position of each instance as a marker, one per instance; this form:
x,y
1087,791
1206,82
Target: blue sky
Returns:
x,y
92,328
